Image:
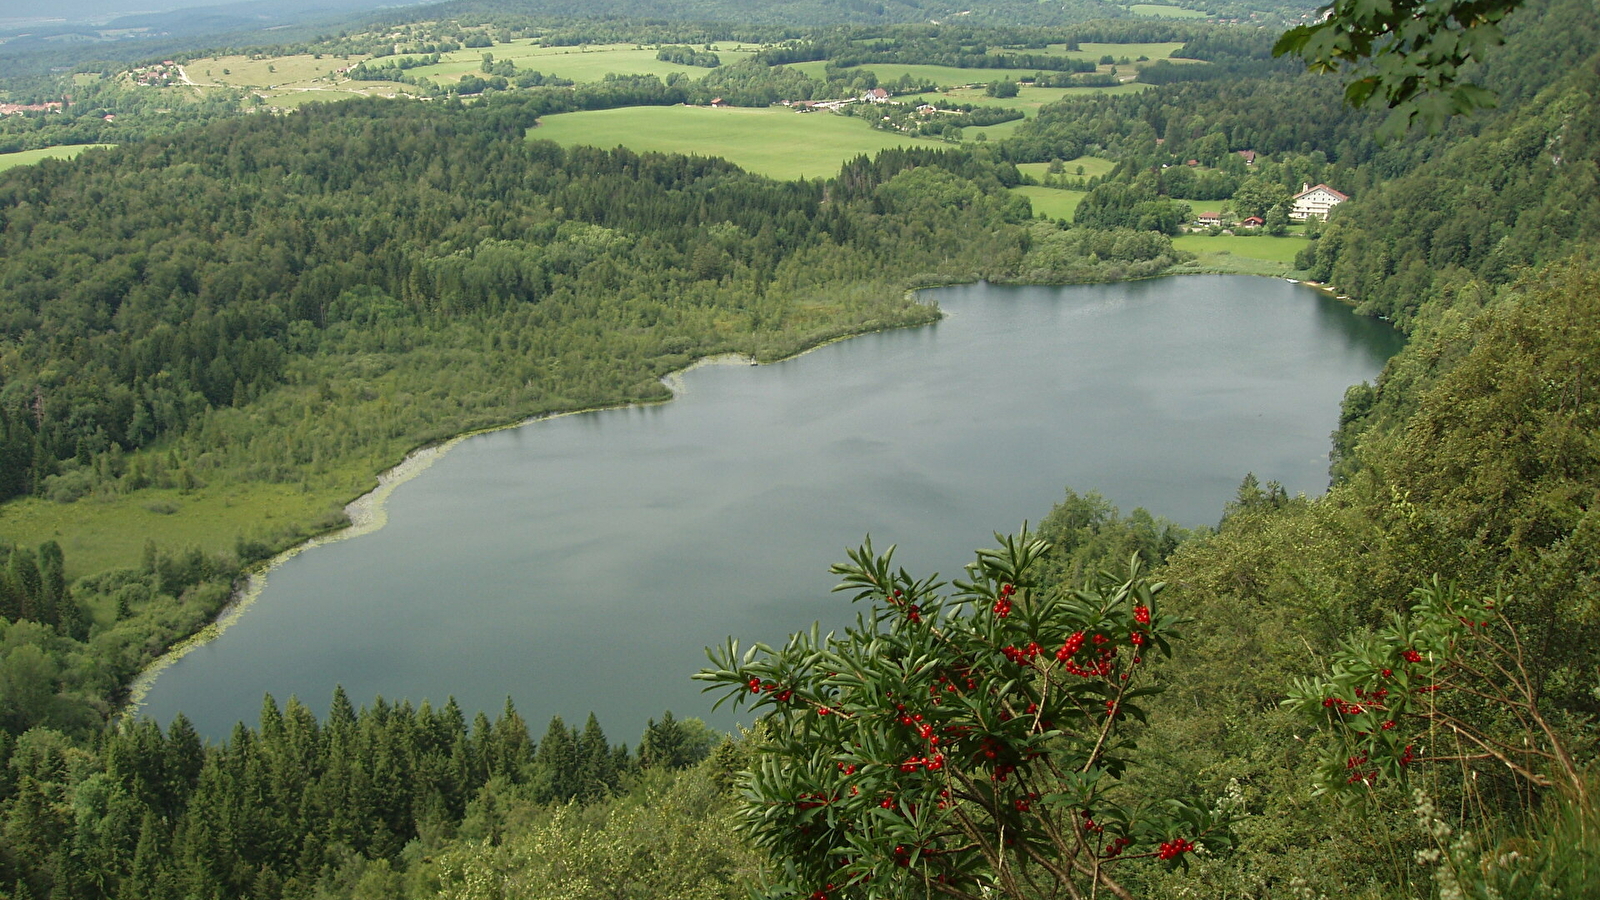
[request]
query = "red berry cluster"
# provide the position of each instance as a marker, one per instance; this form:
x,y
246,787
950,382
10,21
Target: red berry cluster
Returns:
x,y
1141,614
1174,848
1002,605
1089,824
814,800
1115,848
1025,655
1357,774
1412,656
1101,665
780,695
932,763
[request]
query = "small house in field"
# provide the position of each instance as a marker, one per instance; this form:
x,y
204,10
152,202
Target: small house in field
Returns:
x,y
718,103
1249,157
1253,222
1209,218
1314,201
876,95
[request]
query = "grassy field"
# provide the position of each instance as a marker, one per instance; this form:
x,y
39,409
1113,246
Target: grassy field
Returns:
x,y
776,142
581,64
1092,166
299,98
28,157
1051,203
1157,11
1030,99
1254,255
97,535
302,70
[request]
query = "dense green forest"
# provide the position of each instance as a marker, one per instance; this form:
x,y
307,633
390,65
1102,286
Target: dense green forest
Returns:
x,y
284,304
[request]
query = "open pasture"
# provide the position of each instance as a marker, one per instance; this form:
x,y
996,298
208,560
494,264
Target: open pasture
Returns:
x,y
29,157
1246,255
302,70
580,64
1030,99
1092,166
1051,203
775,142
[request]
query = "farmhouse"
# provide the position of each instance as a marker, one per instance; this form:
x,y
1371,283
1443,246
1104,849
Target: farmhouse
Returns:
x,y
876,95
1210,218
1253,222
1249,157
1314,201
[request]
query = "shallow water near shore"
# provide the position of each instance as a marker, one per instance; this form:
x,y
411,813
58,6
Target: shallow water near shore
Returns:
x,y
582,563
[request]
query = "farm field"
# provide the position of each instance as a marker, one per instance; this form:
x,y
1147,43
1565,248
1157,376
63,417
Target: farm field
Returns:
x,y
1092,166
1051,203
298,98
775,142
1254,255
1158,11
1030,99
581,64
302,70
29,157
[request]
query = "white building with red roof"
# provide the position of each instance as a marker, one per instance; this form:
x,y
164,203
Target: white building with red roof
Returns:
x,y
1314,201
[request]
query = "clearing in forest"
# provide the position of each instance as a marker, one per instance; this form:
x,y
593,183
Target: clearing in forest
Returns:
x,y
28,157
776,142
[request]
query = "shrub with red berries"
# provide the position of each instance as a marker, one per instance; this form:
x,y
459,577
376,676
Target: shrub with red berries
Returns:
x,y
1426,678
973,744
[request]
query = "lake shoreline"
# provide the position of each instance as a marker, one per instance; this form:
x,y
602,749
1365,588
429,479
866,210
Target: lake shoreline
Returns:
x,y
368,512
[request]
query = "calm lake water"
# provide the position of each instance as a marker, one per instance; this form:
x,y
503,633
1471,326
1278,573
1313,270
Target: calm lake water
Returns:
x,y
583,563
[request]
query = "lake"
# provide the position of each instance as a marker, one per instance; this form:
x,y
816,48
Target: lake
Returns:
x,y
583,562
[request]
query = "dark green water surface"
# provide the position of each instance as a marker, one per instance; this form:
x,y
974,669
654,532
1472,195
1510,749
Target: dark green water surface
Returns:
x,y
582,563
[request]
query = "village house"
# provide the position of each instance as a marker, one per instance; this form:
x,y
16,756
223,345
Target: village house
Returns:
x,y
1249,157
876,95
1209,218
1253,222
1314,201
9,109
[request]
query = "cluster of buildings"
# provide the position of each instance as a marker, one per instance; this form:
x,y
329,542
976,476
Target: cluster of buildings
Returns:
x,y
1311,203
17,109
159,75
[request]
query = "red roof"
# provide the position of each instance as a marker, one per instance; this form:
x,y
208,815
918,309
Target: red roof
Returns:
x,y
1321,187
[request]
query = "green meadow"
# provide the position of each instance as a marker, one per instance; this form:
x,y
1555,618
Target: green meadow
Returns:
x,y
267,71
581,64
1051,203
776,142
1029,99
99,534
28,157
1092,166
1242,255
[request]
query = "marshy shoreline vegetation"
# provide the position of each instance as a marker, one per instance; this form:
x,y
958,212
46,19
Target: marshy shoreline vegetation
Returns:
x,y
352,282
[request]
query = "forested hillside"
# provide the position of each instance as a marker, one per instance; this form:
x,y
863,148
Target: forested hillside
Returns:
x,y
207,324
